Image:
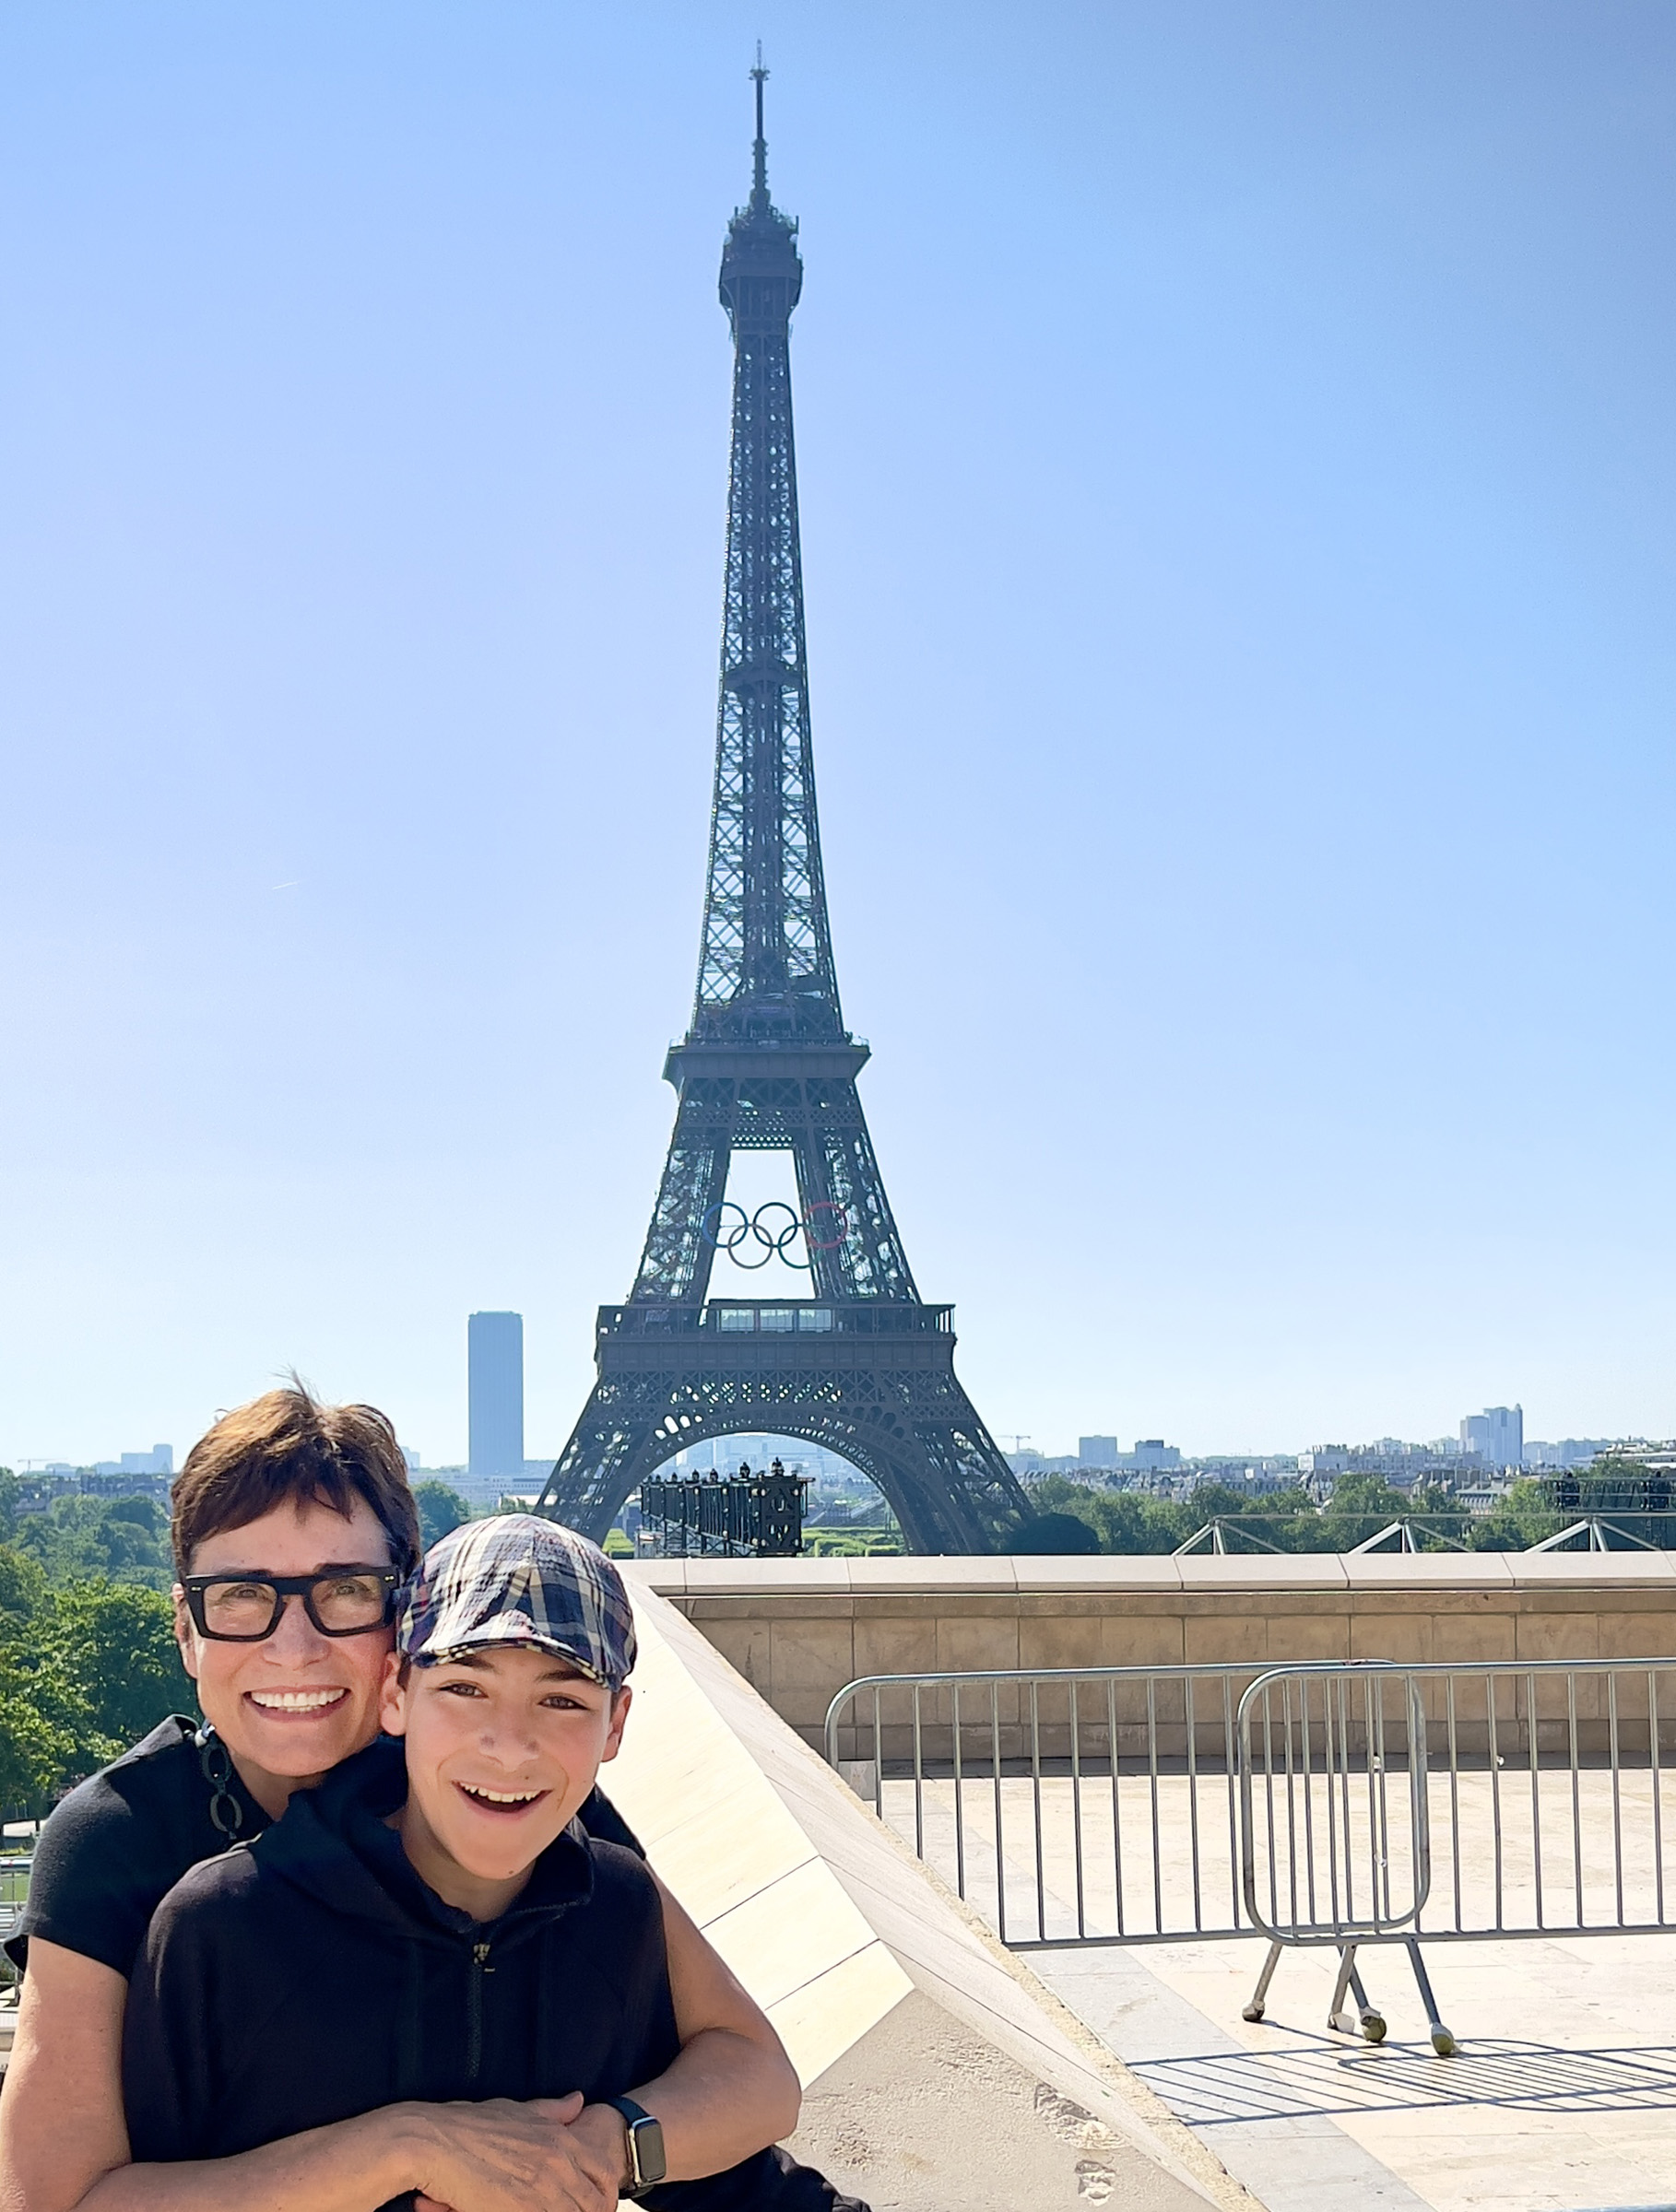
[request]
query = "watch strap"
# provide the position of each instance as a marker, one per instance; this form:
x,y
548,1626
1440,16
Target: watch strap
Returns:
x,y
644,2131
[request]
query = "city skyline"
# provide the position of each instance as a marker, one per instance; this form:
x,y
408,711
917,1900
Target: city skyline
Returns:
x,y
1242,694
502,1379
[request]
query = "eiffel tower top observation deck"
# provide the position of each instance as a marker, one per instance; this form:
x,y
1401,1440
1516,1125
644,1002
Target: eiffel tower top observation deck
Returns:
x,y
861,1364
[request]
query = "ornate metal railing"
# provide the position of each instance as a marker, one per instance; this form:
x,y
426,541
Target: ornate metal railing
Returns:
x,y
730,1517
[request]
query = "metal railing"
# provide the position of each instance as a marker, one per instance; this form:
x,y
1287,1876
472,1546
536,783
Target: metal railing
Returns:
x,y
1321,1803
748,1515
983,1764
15,1871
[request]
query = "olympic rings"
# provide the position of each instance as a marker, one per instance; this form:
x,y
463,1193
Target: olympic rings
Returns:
x,y
748,1234
839,1224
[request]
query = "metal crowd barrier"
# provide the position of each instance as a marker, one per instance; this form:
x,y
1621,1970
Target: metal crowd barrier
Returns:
x,y
14,1892
1375,1803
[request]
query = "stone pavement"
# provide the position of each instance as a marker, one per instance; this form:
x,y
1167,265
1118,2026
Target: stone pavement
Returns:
x,y
1561,2099
1562,2095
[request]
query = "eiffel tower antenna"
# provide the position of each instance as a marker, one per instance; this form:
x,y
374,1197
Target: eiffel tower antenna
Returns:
x,y
861,1364
759,188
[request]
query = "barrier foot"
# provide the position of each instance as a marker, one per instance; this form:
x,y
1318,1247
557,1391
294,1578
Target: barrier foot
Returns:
x,y
1259,1995
1365,2022
1442,2043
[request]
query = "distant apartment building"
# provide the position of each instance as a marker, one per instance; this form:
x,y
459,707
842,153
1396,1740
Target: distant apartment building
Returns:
x,y
494,1358
1151,1451
1096,1459
133,1474
1496,1436
159,1460
1324,1459
1570,1452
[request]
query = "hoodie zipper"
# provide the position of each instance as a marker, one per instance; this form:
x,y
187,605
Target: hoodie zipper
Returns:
x,y
473,2010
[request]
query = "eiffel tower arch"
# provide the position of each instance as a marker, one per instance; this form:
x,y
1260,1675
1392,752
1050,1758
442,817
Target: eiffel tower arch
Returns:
x,y
862,1365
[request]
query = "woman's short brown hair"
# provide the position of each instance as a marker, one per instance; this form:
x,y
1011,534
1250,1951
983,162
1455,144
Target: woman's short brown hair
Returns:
x,y
286,1447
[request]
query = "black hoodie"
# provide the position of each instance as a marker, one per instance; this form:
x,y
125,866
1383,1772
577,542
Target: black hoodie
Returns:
x,y
312,1976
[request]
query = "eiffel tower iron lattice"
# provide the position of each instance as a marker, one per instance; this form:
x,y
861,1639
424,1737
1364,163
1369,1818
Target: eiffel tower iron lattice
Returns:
x,y
864,1366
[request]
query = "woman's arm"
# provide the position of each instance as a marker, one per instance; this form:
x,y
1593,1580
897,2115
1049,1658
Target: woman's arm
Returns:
x,y
64,2145
731,2091
61,2118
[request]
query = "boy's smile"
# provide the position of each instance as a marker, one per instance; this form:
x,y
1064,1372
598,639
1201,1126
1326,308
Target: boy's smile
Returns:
x,y
502,1747
505,1800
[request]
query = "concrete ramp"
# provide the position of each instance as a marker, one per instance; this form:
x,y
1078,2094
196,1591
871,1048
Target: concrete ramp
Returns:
x,y
939,2075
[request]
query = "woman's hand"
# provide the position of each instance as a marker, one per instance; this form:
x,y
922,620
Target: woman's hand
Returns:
x,y
502,2157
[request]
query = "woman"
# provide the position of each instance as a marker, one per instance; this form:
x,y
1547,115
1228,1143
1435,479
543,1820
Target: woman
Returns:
x,y
314,1500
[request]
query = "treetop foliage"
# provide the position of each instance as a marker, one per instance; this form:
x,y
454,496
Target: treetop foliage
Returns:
x,y
441,1509
87,1657
124,1539
85,1671
1288,1519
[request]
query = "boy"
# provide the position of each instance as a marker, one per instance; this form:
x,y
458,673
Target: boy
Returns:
x,y
428,1922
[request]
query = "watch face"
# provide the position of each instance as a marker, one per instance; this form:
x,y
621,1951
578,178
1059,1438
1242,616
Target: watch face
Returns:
x,y
647,2148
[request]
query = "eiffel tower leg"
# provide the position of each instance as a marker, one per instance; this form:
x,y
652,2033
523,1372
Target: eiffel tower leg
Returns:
x,y
840,1184
586,1489
676,1261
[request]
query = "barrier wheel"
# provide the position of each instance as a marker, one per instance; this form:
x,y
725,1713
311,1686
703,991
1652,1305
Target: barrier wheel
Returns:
x,y
1442,2043
1373,2027
1252,2012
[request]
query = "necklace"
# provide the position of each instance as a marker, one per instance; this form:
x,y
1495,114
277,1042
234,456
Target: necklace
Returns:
x,y
226,1814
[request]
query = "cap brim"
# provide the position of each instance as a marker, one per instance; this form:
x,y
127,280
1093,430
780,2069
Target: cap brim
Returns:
x,y
485,1641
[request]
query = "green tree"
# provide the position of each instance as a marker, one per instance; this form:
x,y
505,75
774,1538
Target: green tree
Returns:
x,y
1051,1535
1131,1526
1360,1507
1446,1520
1287,1518
116,1643
9,1489
1127,1523
23,1589
86,1668
48,1736
440,1510
36,1754
125,1539
1523,1518
1053,1496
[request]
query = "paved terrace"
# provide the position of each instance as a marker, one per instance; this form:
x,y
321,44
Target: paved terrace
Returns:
x,y
1563,2097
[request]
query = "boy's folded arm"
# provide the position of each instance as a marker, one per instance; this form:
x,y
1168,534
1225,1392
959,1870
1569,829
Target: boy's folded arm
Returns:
x,y
731,2090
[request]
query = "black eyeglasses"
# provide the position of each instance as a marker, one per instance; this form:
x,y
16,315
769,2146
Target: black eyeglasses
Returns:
x,y
245,1609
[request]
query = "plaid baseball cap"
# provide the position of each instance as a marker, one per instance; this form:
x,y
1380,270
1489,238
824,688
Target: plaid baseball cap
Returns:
x,y
516,1578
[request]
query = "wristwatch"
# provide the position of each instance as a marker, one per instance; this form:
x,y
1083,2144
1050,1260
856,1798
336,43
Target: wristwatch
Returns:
x,y
647,2163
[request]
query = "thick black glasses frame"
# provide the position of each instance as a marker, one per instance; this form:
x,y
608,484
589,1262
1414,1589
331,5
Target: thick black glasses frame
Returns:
x,y
284,1586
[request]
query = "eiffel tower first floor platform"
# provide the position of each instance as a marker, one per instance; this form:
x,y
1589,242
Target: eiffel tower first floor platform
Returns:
x,y
870,1379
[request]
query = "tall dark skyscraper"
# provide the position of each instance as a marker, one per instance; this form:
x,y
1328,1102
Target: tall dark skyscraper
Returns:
x,y
862,1364
494,1360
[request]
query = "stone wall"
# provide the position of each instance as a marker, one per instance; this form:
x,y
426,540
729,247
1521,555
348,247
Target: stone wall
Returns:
x,y
798,1629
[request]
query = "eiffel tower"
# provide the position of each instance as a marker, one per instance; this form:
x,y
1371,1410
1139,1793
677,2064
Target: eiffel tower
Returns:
x,y
863,1365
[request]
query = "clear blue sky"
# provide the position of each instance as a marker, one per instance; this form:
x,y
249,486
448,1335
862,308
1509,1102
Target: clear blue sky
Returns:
x,y
1237,468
